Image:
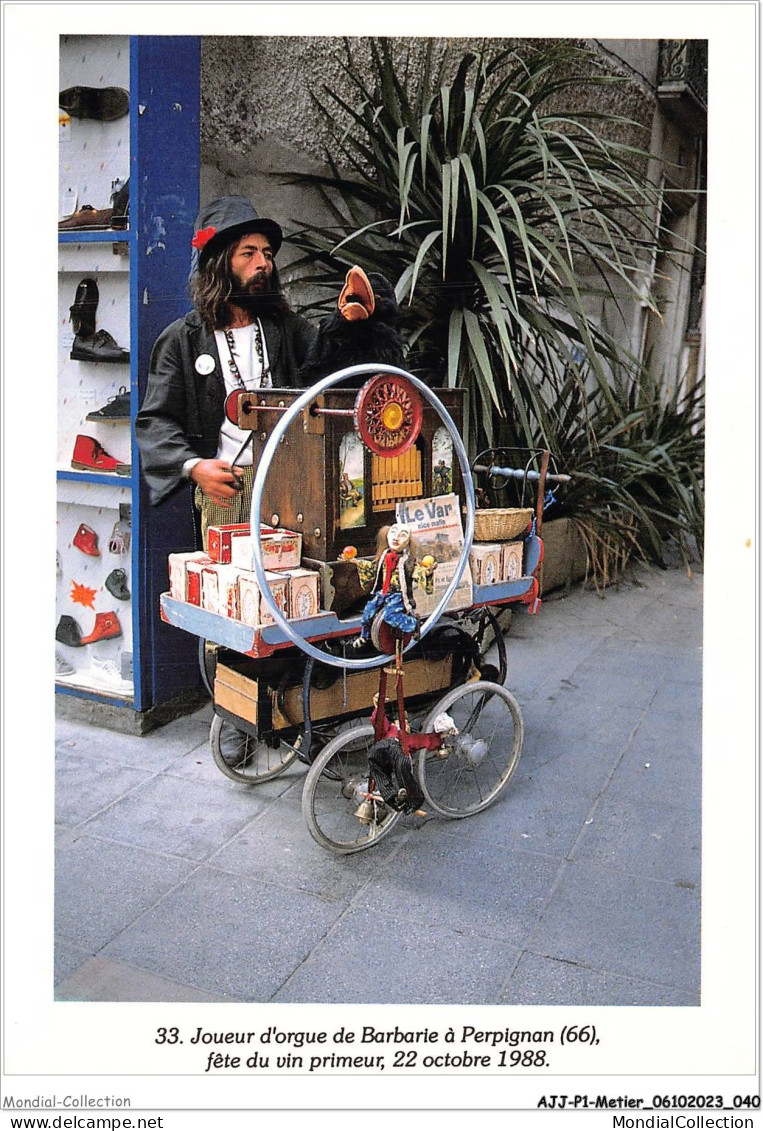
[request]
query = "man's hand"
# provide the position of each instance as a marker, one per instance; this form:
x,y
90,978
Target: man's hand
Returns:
x,y
217,480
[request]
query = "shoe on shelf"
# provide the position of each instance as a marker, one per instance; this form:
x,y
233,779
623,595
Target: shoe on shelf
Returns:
x,y
104,103
86,540
116,408
99,347
63,667
121,206
86,219
69,632
82,311
119,543
116,583
89,455
106,626
109,673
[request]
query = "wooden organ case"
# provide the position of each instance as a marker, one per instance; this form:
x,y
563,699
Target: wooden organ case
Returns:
x,y
324,481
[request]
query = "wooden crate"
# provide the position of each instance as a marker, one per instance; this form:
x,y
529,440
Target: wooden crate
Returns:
x,y
421,676
255,700
237,692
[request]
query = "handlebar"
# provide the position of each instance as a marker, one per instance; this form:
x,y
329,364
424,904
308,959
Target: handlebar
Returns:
x,y
519,473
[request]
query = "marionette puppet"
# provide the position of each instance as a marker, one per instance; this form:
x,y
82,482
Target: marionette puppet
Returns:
x,y
395,573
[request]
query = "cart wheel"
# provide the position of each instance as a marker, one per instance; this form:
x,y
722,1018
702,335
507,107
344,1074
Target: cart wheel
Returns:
x,y
474,766
336,786
257,762
208,664
487,633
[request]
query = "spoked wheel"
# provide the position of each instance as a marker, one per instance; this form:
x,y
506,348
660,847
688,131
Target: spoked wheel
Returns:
x,y
243,758
486,633
475,765
336,787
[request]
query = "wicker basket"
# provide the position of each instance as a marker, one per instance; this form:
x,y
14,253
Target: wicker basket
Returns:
x,y
501,524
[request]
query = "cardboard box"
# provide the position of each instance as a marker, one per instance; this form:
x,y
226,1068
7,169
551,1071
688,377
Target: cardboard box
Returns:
x,y
210,589
303,593
486,561
281,549
219,589
178,572
513,555
193,569
220,539
250,608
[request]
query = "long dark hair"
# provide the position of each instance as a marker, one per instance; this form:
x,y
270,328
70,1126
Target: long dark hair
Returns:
x,y
211,288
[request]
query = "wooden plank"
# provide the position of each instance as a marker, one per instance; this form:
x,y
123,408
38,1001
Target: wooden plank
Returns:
x,y
237,693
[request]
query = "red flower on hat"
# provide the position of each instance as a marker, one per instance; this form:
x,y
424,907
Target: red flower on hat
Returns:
x,y
202,237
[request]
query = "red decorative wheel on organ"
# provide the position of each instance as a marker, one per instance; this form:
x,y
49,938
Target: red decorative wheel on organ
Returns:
x,y
388,414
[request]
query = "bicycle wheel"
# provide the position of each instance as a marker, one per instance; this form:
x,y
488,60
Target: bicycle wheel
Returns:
x,y
472,767
336,786
254,762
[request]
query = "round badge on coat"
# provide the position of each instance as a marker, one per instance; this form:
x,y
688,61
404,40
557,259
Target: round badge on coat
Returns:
x,y
204,364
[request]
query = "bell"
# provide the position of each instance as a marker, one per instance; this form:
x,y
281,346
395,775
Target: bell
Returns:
x,y
365,812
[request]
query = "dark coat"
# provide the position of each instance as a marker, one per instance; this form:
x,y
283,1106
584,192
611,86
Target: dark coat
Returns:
x,y
183,409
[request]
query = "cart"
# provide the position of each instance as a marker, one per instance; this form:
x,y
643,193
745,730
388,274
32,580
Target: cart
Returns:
x,y
297,691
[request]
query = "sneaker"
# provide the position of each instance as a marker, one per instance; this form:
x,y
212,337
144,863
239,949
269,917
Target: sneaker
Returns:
x,y
109,674
63,667
116,408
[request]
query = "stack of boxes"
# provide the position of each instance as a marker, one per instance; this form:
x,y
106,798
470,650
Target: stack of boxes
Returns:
x,y
495,562
223,581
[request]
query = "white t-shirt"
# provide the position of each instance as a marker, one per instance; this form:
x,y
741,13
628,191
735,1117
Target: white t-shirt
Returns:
x,y
250,367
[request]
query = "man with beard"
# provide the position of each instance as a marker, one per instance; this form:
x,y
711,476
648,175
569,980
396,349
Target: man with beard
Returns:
x,y
240,335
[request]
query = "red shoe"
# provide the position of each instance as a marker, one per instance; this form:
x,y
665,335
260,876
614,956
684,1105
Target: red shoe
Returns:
x,y
86,540
106,625
88,455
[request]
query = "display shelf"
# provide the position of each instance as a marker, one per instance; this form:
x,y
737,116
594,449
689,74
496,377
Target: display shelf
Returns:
x,y
93,477
101,695
99,235
141,282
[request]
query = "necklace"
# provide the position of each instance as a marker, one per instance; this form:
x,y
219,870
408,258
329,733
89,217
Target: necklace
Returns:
x,y
266,381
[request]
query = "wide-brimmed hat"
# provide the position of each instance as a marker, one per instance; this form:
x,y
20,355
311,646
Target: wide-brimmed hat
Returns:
x,y
226,219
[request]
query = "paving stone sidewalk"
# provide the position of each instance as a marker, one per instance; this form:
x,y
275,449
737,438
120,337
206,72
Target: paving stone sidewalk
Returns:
x,y
579,886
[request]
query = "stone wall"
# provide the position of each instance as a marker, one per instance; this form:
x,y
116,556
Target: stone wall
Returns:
x,y
258,118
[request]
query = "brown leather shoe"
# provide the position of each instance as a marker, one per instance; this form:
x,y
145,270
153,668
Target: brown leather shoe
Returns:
x,y
87,217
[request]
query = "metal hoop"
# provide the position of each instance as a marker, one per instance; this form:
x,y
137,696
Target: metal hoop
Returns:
x,y
256,511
